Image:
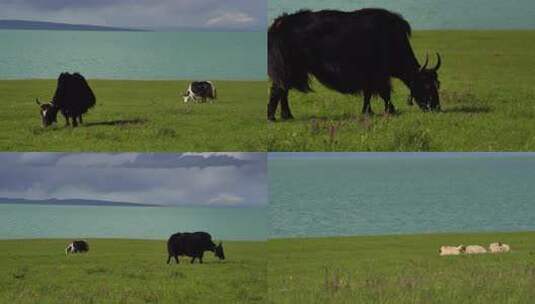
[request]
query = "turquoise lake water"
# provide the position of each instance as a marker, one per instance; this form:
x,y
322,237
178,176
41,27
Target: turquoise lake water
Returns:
x,y
34,221
433,14
373,196
133,55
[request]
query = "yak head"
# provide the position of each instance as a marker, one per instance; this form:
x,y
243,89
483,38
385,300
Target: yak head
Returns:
x,y
218,251
425,86
48,111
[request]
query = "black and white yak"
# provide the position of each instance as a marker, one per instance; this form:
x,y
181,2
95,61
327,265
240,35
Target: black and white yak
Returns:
x,y
354,52
73,98
200,90
77,247
193,245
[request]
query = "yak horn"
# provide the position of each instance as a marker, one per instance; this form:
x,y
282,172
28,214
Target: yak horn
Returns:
x,y
426,62
37,101
439,63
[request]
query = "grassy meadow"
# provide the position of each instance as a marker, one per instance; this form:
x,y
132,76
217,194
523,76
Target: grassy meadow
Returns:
x,y
400,269
487,97
137,116
128,271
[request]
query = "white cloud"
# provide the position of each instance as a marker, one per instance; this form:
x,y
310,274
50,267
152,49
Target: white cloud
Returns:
x,y
161,179
226,199
230,19
245,14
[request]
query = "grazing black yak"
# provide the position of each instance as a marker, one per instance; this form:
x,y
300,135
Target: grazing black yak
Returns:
x,y
193,245
73,98
350,52
77,247
200,89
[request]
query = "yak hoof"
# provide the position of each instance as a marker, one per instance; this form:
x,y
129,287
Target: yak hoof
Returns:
x,y
391,111
287,117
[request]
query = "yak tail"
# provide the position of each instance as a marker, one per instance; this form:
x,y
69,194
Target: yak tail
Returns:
x,y
170,250
285,66
92,99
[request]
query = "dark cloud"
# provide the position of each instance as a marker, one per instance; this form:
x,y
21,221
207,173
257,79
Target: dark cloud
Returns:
x,y
237,179
65,4
133,160
241,14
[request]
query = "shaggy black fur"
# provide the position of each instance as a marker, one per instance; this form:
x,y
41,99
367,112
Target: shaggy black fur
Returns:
x,y
193,245
350,52
73,98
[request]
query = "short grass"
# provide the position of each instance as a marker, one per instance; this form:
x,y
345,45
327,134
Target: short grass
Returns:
x,y
400,269
128,271
140,116
487,96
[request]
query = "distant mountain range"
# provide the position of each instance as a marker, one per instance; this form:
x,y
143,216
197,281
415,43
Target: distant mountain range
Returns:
x,y
41,25
70,202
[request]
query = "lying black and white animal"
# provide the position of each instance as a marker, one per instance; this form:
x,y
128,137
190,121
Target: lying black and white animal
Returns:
x,y
73,98
354,52
78,246
193,245
200,90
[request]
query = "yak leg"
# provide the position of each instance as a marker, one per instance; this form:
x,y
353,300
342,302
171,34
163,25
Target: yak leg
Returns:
x,y
285,106
80,119
389,107
367,107
274,98
67,123
169,259
193,260
200,257
74,122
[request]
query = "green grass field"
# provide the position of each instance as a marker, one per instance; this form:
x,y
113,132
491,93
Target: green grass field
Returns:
x,y
400,269
132,116
487,96
128,271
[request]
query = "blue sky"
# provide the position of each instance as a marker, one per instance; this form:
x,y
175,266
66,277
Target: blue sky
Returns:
x,y
155,14
206,179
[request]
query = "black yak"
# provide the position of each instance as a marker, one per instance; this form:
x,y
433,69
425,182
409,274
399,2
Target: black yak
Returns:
x,y
77,247
73,97
354,52
193,245
200,89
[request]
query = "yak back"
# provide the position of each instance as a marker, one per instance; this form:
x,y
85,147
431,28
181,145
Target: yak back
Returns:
x,y
202,88
346,51
73,94
81,245
190,244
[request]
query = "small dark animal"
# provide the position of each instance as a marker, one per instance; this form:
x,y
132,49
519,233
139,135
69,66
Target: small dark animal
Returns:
x,y
193,245
77,247
73,97
200,90
354,52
